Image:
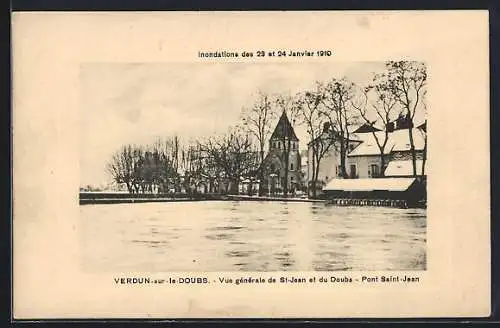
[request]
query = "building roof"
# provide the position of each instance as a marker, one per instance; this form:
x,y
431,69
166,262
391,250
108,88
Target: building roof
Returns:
x,y
388,184
368,145
401,139
284,129
398,141
402,168
366,128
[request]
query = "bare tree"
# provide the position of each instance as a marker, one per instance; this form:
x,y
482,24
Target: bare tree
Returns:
x,y
380,107
311,114
340,113
423,131
215,152
165,159
121,167
288,105
244,158
187,164
257,120
231,156
124,167
146,168
407,81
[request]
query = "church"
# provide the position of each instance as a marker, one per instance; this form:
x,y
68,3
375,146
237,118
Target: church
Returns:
x,y
282,165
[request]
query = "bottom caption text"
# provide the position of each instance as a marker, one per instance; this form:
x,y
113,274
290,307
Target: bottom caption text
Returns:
x,y
259,280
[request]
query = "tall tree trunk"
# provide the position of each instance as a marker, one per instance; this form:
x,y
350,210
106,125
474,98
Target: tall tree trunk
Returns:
x,y
412,151
234,186
314,179
261,173
342,159
382,164
424,156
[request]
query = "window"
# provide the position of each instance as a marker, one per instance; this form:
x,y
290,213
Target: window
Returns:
x,y
374,171
294,146
291,166
279,145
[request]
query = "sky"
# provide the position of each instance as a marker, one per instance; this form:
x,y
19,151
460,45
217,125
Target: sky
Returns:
x,y
136,103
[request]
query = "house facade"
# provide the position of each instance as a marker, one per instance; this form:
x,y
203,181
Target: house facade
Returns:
x,y
363,159
330,164
329,167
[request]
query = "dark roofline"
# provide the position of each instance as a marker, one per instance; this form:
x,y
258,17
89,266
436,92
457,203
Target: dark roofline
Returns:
x,y
366,128
284,124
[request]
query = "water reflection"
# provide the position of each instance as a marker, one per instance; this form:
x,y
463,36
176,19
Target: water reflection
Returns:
x,y
251,236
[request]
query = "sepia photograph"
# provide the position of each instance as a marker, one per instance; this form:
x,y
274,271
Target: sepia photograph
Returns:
x,y
253,167
243,165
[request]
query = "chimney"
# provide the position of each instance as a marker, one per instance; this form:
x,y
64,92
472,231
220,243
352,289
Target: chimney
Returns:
x,y
326,127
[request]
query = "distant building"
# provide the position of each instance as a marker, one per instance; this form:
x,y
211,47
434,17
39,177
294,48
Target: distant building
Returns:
x,y
275,165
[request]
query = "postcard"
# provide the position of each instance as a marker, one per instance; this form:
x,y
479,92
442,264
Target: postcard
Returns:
x,y
293,164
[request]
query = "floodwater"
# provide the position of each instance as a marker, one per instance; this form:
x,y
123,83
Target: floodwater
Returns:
x,y
250,236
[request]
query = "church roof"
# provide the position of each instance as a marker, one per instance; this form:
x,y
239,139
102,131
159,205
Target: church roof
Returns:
x,y
284,129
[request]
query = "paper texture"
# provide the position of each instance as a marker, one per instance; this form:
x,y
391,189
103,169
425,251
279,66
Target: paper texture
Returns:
x,y
51,51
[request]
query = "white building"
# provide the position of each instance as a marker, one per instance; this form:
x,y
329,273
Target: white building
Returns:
x,y
363,159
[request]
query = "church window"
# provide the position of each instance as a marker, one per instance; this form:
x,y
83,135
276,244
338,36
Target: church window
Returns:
x,y
291,166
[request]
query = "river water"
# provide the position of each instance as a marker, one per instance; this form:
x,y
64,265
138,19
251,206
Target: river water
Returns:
x,y
210,236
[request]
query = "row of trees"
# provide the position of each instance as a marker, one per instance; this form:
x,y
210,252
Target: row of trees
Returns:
x,y
171,165
143,168
338,104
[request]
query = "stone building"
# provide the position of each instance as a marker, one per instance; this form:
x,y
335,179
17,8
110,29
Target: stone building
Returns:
x,y
283,143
